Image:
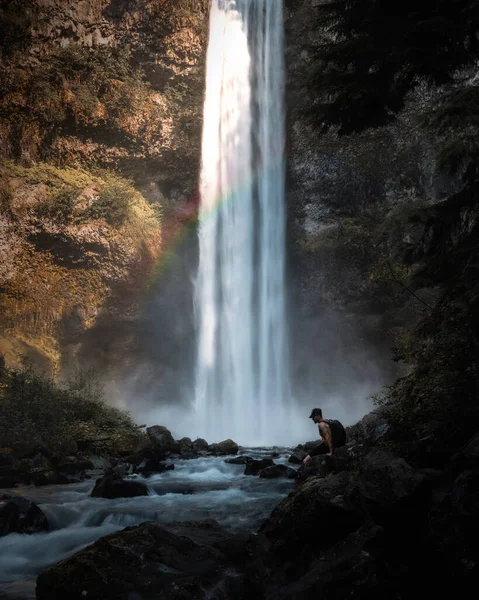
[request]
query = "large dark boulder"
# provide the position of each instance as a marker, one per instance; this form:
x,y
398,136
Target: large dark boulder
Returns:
x,y
174,561
275,471
20,515
312,518
225,447
114,486
12,471
253,467
351,568
239,460
162,440
200,445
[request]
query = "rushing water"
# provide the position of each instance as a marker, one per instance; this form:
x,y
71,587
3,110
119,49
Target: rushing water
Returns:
x,y
196,489
242,385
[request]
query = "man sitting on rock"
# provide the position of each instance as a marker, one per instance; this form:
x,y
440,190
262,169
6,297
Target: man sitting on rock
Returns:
x,y
331,432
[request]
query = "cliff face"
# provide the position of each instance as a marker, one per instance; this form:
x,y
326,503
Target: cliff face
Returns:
x,y
354,204
100,132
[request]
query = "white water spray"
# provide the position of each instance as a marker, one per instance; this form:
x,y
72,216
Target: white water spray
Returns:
x,y
242,380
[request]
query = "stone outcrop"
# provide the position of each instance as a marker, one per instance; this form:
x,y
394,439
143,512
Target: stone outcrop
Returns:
x,y
117,85
20,515
172,561
114,486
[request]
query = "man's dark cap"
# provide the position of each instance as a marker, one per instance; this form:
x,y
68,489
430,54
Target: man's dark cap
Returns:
x,y
315,412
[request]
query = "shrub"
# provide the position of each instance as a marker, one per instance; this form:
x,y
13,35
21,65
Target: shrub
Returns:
x,y
114,201
60,206
34,405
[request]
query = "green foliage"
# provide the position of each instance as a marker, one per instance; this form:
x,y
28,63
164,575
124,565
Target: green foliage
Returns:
x,y
376,51
79,86
60,206
114,201
31,404
439,396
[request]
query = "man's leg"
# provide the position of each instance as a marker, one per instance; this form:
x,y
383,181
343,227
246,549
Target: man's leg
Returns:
x,y
321,448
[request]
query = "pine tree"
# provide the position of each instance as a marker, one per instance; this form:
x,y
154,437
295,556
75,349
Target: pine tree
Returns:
x,y
376,51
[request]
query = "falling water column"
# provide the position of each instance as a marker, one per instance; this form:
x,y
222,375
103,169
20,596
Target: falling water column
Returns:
x,y
242,375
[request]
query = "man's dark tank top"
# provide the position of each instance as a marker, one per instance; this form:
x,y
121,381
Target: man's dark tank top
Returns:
x,y
337,431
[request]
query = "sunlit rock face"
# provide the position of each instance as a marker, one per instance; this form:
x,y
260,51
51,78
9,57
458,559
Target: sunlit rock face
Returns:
x,y
77,294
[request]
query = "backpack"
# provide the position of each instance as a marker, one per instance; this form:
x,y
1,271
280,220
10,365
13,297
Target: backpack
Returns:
x,y
338,432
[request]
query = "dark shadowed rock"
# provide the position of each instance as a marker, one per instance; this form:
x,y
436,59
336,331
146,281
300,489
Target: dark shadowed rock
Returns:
x,y
114,486
162,439
278,471
174,561
297,457
239,460
227,447
253,467
312,519
200,445
20,515
348,565
185,443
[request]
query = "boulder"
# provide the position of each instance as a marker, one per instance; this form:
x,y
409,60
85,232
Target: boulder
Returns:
x,y
12,471
312,518
46,478
162,439
99,462
185,443
297,457
114,486
74,465
200,445
171,561
277,471
225,447
253,467
20,515
348,569
239,460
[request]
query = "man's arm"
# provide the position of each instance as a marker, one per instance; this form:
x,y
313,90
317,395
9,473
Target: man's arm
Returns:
x,y
325,432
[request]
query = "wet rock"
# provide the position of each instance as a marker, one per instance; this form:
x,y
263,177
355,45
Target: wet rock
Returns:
x,y
46,478
349,567
317,466
99,462
12,471
278,471
188,454
173,561
162,439
223,448
253,467
114,486
389,479
20,515
228,447
239,460
297,457
200,445
314,517
185,443
74,465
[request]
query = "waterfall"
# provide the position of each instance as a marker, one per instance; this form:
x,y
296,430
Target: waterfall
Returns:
x,y
242,382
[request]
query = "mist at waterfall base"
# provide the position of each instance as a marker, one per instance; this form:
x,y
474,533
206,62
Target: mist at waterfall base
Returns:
x,y
240,386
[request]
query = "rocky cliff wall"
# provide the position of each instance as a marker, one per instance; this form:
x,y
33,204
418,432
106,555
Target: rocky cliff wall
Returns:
x,y
98,94
352,202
